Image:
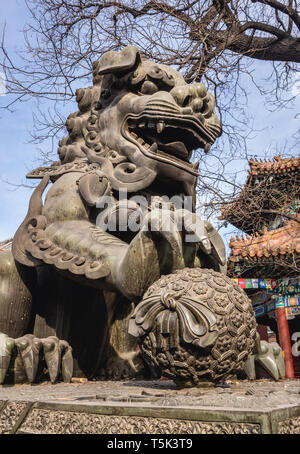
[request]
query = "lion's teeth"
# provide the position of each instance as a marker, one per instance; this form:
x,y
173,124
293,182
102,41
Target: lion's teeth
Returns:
x,y
141,125
140,140
153,147
151,124
207,147
160,126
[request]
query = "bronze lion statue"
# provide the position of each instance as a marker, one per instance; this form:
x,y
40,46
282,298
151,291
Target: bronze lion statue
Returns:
x,y
76,271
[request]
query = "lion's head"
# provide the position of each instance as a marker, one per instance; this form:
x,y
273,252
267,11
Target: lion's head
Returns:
x,y
144,119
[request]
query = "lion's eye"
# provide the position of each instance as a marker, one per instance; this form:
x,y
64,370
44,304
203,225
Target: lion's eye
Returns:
x,y
148,88
156,73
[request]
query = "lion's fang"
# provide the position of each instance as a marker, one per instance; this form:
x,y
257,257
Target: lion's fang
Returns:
x,y
160,126
153,147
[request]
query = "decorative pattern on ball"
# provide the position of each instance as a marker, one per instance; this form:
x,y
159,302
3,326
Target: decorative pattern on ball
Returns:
x,y
195,325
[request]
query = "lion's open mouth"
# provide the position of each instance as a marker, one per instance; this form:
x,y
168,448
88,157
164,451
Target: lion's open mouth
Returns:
x,y
170,137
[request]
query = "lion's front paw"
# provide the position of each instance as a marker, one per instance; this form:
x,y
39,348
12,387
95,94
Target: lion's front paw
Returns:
x,y
56,353
160,221
270,357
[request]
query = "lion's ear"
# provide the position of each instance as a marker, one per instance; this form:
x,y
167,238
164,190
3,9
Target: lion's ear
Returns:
x,y
114,62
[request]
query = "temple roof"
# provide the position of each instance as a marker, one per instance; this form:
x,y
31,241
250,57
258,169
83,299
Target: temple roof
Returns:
x,y
277,166
272,251
267,208
271,186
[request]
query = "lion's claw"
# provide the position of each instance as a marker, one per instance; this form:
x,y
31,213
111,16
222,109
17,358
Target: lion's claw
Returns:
x,y
6,347
66,361
29,348
161,220
57,355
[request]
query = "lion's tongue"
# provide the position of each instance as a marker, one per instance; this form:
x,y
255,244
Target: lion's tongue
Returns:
x,y
175,148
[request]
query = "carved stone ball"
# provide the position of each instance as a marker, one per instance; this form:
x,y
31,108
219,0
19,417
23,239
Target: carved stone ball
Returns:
x,y
194,326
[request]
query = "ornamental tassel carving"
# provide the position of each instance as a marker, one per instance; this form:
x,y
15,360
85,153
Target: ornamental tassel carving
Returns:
x,y
172,317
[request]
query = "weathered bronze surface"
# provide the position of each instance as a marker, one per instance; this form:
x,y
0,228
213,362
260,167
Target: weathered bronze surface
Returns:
x,y
73,276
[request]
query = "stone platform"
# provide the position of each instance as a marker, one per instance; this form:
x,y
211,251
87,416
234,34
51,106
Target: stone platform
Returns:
x,y
151,407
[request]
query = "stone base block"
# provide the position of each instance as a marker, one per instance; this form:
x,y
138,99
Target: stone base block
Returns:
x,y
142,408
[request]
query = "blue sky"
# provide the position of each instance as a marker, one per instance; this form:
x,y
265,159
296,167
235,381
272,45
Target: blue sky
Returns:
x,y
17,156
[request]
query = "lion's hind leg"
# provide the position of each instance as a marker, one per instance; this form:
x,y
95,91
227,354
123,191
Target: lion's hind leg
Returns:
x,y
20,351
16,282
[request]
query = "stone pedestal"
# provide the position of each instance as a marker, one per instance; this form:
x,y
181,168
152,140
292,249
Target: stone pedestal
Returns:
x,y
151,407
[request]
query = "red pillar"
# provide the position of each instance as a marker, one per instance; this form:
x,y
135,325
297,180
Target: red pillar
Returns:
x,y
285,341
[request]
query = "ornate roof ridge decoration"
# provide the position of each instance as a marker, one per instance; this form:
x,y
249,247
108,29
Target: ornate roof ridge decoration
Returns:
x,y
273,243
278,165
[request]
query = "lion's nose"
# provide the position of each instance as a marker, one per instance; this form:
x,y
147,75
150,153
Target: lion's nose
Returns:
x,y
185,94
181,95
193,99
189,95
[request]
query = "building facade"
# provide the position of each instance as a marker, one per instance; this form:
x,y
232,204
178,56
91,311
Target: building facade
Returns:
x,y
265,259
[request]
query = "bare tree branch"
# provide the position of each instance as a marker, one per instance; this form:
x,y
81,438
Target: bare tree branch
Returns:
x,y
208,40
